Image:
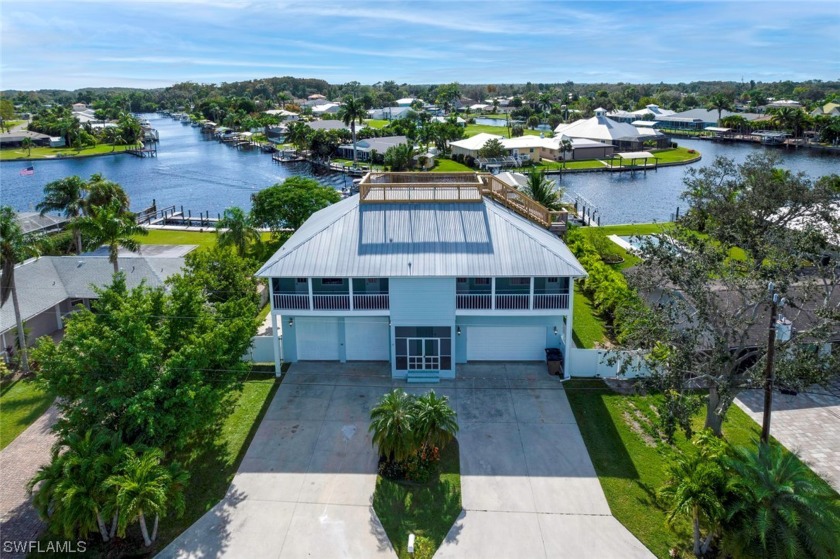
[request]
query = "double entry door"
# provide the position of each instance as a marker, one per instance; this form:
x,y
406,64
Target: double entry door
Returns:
x,y
423,354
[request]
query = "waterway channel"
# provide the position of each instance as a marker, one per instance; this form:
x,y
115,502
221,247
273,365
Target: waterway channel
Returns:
x,y
203,175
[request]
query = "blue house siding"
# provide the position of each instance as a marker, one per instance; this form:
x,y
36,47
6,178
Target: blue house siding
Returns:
x,y
549,322
289,339
422,302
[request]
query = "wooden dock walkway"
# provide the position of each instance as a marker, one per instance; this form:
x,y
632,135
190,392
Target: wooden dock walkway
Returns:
x,y
143,151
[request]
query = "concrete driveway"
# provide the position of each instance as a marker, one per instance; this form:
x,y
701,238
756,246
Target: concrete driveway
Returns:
x,y
528,486
305,486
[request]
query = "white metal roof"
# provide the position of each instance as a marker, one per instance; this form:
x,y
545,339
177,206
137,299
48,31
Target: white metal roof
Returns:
x,y
598,127
476,142
349,239
635,154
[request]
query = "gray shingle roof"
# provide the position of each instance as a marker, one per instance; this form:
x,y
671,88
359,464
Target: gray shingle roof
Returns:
x,y
349,239
44,282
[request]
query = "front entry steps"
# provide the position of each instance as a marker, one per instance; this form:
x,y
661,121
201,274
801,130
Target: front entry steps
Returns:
x,y
416,377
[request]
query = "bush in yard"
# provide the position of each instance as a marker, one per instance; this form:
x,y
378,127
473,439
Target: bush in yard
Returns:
x,y
410,432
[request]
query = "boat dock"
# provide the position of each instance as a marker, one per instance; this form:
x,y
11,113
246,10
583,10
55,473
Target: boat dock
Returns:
x,y
141,151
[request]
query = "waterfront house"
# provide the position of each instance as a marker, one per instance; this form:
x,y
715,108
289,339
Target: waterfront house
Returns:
x,y
326,108
390,113
425,271
602,128
51,287
365,148
535,148
14,139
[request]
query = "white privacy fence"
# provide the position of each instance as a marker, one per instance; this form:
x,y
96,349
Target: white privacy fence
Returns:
x,y
596,363
262,350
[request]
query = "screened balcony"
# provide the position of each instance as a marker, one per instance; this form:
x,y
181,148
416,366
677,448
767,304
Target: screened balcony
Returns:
x,y
330,294
512,293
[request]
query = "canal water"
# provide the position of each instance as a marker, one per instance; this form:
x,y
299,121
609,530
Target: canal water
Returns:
x,y
203,175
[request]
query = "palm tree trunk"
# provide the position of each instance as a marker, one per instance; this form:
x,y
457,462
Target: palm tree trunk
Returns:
x,y
114,522
78,235
24,358
146,540
155,527
114,257
353,130
696,522
714,420
103,531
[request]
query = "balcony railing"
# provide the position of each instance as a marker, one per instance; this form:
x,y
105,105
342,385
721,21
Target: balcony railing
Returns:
x,y
331,302
291,302
370,302
551,301
474,301
509,302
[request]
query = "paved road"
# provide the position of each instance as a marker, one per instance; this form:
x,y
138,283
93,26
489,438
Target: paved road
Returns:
x,y
808,423
305,486
19,462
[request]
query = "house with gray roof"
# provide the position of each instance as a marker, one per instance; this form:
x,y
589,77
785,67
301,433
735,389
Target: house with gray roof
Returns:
x,y
51,287
425,271
365,148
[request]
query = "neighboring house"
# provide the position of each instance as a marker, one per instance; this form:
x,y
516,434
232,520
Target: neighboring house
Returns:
x,y
470,146
50,287
35,223
407,101
444,119
14,139
390,113
601,128
829,109
426,275
331,125
782,103
283,114
650,112
326,108
699,119
364,148
57,142
478,107
79,107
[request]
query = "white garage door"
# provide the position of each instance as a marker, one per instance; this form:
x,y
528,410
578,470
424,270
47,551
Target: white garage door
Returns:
x,y
367,339
317,338
508,343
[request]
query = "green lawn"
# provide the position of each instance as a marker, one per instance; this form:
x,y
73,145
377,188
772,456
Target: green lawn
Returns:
x,y
427,511
473,129
675,155
51,153
204,239
374,123
621,436
587,328
263,313
21,403
449,166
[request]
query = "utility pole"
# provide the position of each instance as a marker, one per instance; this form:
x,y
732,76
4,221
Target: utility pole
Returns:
x,y
775,303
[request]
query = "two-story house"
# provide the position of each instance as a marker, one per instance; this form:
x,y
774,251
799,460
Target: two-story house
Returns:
x,y
425,271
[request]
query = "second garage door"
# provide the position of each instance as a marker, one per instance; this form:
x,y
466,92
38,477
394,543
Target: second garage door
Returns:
x,y
368,339
317,338
495,343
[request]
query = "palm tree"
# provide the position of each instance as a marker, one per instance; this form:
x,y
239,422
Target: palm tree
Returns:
x,y
72,491
26,144
353,111
543,190
297,134
719,102
695,486
111,225
14,247
101,192
790,118
565,147
143,487
236,229
434,420
67,196
391,425
284,98
778,509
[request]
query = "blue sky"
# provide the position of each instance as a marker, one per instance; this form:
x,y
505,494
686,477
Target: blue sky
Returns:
x,y
152,43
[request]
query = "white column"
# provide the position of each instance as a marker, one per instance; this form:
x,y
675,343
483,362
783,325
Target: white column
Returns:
x,y
311,301
492,293
568,342
350,281
278,356
59,324
531,293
